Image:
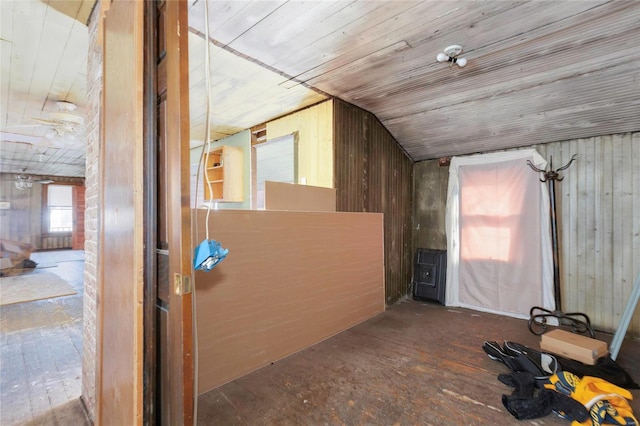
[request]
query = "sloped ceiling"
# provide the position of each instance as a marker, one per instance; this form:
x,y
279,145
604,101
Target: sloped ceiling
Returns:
x,y
538,71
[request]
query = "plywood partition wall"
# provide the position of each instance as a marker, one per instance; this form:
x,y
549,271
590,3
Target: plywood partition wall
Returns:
x,y
291,279
289,196
119,381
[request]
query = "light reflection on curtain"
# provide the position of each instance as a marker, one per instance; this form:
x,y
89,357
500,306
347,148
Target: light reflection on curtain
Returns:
x,y
499,236
498,241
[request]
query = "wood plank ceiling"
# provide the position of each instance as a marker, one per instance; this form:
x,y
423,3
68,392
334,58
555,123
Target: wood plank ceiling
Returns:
x,y
538,71
44,47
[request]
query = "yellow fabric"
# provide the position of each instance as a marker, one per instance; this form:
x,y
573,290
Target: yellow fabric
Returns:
x,y
597,395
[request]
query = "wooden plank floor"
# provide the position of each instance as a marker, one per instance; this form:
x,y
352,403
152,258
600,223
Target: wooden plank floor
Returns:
x,y
417,363
41,351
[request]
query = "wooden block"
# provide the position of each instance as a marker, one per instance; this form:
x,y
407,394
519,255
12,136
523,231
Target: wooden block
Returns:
x,y
573,346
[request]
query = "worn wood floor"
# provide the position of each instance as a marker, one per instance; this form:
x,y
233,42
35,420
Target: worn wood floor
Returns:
x,y
41,350
417,363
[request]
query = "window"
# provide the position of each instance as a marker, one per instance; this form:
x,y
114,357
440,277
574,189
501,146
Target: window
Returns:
x,y
275,162
60,207
498,239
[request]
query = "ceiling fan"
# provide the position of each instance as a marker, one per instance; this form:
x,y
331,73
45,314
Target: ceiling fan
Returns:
x,y
64,127
62,122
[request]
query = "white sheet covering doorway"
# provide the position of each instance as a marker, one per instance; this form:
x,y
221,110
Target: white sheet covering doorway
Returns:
x,y
498,234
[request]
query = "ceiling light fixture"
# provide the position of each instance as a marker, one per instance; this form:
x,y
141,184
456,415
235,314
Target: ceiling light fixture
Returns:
x,y
23,182
451,55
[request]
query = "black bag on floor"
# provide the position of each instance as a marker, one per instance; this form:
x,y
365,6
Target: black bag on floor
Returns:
x,y
521,358
605,368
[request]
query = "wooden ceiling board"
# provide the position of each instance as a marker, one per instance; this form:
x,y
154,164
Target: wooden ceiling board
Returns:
x,y
418,65
69,82
381,56
380,27
495,74
372,40
5,69
243,93
44,57
230,19
537,70
26,33
66,7
557,95
49,54
43,67
80,10
6,26
544,115
299,40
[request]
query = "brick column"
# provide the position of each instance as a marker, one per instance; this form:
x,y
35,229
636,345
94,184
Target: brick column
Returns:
x,y
92,194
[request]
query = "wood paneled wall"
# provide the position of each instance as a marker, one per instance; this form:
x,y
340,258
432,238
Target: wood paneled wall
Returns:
x,y
23,220
372,174
315,142
598,222
598,206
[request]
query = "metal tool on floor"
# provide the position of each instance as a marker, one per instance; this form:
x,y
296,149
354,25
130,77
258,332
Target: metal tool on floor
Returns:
x,y
632,303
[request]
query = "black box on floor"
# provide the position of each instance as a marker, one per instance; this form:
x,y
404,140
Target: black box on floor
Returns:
x,y
429,274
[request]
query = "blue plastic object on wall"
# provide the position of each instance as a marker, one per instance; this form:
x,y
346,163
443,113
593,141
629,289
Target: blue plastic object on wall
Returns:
x,y
208,254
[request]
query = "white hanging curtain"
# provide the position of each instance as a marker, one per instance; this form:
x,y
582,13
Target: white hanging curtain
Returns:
x,y
498,234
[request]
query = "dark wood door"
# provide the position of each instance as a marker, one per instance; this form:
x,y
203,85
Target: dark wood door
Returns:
x,y
174,302
145,353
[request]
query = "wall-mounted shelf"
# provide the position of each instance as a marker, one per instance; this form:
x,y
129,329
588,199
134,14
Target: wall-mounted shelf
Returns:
x,y
224,170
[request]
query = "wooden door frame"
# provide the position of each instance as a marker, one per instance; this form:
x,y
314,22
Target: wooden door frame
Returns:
x,y
119,340
128,160
180,327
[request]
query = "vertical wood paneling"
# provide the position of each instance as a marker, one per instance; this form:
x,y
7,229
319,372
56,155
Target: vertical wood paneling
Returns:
x,y
625,248
635,143
598,222
372,174
569,242
315,144
23,220
618,218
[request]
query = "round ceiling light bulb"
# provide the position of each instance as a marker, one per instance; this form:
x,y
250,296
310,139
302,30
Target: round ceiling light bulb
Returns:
x,y
453,50
442,57
461,62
